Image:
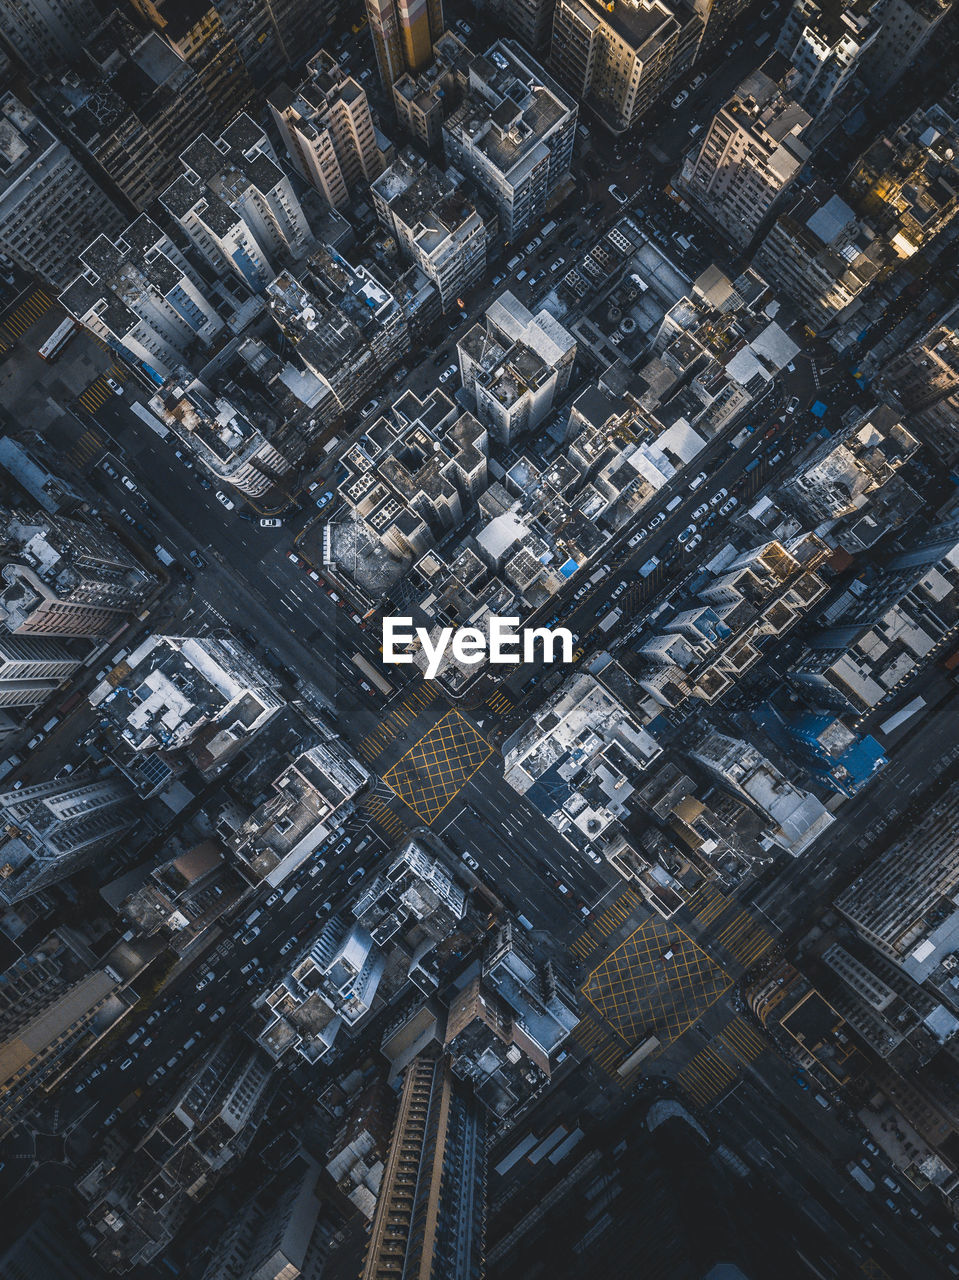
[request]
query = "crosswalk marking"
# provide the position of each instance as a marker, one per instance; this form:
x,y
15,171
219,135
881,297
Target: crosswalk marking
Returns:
x,y
706,1076
742,1041
27,313
84,449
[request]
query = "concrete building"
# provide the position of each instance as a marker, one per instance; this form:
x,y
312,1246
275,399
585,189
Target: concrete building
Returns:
x,y
54,1009
404,33
751,154
177,698
619,60
924,379
62,577
580,758
530,20
435,223
50,207
513,135
139,295
907,182
139,1200
881,633
237,206
418,474
515,366
825,46
906,28
423,100
51,829
329,132
848,486
822,256
306,801
31,668
431,1211
346,328
44,34
238,447
794,819
903,904
720,634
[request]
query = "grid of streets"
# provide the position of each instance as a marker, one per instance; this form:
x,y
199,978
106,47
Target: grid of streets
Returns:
x,y
436,767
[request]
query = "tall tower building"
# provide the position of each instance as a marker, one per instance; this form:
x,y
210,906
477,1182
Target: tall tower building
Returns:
x,y
328,131
404,32
31,668
43,33
750,155
431,1210
54,828
50,207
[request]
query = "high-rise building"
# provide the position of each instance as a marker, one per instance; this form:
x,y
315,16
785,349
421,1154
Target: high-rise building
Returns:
x,y
50,207
404,32
824,45
435,223
62,577
237,205
822,255
45,33
424,99
51,829
513,135
431,1210
750,155
619,58
881,636
531,20
140,295
904,903
31,668
328,131
516,366
925,381
53,1009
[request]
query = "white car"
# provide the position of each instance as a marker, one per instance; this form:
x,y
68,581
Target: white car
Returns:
x,y
687,533
618,194
224,500
679,99
637,538
793,404
274,897
470,860
701,510
270,522
697,481
700,79
114,387
718,496
658,519
620,588
593,856
447,373
694,542
725,509
128,484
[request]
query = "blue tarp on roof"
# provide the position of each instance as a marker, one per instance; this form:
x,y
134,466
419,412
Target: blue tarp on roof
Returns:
x,y
818,410
569,568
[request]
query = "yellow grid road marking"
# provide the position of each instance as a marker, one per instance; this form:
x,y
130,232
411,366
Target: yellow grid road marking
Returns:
x,y
656,982
435,769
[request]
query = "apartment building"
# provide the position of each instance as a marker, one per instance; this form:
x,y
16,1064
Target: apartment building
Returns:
x,y
924,379
63,577
881,633
404,33
43,34
907,182
751,154
32,668
237,206
138,293
515,366
435,223
50,207
530,20
435,1176
822,256
620,58
423,100
903,904
794,819
513,135
329,132
825,46
52,829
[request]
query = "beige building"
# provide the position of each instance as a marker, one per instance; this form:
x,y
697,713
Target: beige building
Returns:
x,y
619,58
328,131
424,99
750,155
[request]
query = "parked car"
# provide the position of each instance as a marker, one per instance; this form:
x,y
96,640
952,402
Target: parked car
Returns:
x,y
197,559
725,509
637,538
792,404
178,453
108,469
700,511
470,860
356,875
447,373
368,408
687,533
294,558
270,522
697,481
679,99
128,484
718,497
657,519
694,542
224,500
202,481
